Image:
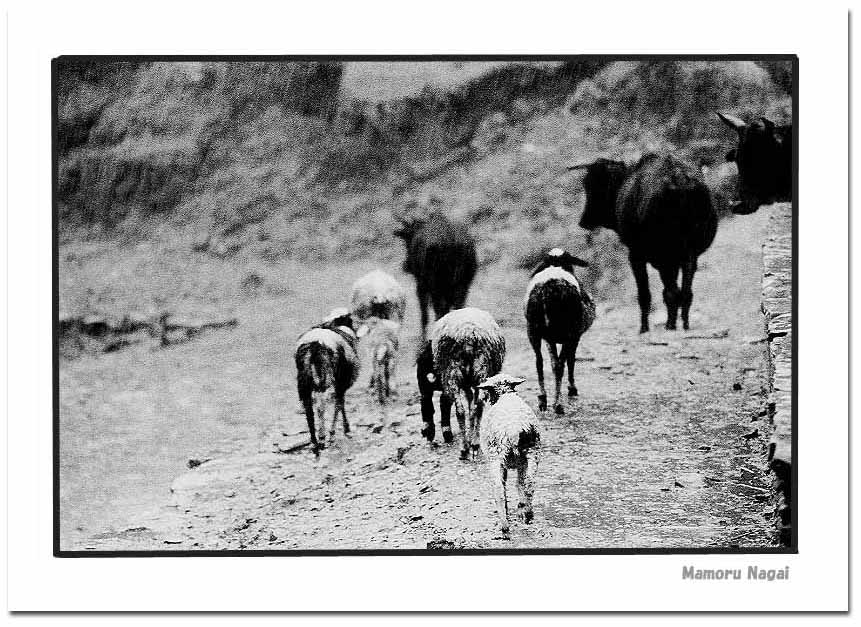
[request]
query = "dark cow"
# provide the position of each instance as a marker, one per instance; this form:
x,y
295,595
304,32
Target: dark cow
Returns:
x,y
663,213
441,256
764,159
428,384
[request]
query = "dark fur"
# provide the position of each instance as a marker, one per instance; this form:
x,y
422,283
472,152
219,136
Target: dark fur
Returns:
x,y
424,367
555,313
663,213
764,159
441,256
319,368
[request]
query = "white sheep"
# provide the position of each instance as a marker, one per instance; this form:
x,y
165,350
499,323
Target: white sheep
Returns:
x,y
378,294
380,336
510,439
468,347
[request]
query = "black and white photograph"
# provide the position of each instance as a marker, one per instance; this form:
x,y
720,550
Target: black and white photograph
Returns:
x,y
424,305
427,308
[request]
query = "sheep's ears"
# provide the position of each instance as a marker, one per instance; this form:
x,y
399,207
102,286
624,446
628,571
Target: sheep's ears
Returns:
x,y
732,121
363,331
579,262
730,155
515,381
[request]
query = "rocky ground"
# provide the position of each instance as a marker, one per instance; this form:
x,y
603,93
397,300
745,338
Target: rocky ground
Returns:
x,y
665,447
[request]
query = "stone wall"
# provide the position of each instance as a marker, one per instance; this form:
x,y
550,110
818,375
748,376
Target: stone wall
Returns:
x,y
777,308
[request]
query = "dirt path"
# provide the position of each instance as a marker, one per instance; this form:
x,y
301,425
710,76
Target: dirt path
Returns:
x,y
663,448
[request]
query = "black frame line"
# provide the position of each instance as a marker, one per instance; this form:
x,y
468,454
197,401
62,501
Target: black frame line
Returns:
x,y
792,549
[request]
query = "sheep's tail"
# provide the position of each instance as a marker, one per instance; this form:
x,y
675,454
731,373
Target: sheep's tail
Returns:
x,y
529,439
314,364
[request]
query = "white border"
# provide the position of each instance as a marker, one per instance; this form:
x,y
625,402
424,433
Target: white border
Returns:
x,y
818,573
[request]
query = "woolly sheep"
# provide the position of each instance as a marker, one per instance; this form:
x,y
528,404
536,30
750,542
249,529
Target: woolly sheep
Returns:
x,y
558,311
510,439
378,294
381,338
468,347
326,360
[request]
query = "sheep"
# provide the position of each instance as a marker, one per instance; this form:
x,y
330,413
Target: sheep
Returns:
x,y
378,294
381,338
441,256
468,347
326,359
510,439
429,383
558,311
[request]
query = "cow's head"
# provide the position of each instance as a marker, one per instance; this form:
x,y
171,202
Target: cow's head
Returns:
x,y
560,258
407,227
602,182
762,156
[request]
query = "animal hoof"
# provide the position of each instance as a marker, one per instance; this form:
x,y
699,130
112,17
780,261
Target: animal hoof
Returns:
x,y
572,391
464,454
474,452
528,516
542,402
429,432
670,327
559,409
447,436
644,328
686,326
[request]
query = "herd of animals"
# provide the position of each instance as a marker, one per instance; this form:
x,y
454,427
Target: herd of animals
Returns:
x,y
661,210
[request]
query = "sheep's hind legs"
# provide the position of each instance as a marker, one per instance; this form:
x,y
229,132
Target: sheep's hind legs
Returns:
x,y
500,478
461,408
539,369
558,363
526,486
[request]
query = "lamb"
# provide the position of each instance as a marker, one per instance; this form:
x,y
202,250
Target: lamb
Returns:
x,y
378,294
468,347
510,439
558,311
428,384
381,338
326,360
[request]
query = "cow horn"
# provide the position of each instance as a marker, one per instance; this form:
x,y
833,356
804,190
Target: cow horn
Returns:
x,y
579,166
731,120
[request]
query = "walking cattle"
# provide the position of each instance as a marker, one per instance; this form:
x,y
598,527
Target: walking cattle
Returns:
x,y
441,256
662,211
764,159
